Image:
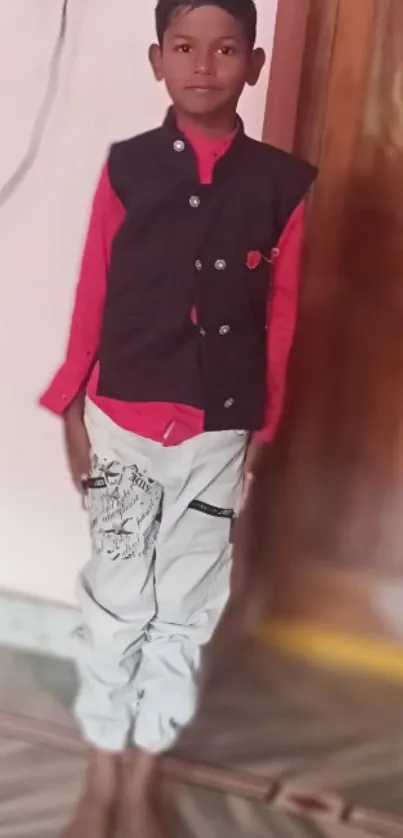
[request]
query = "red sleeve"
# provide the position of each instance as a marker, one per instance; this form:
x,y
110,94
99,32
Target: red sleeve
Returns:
x,y
282,317
106,217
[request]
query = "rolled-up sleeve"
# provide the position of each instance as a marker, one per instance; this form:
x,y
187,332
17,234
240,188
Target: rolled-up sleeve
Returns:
x,y
107,216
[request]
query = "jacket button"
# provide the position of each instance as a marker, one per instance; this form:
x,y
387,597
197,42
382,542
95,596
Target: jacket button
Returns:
x,y
194,201
179,145
220,265
198,265
229,403
224,330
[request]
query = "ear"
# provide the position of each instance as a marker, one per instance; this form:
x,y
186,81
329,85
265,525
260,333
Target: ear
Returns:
x,y
257,62
155,59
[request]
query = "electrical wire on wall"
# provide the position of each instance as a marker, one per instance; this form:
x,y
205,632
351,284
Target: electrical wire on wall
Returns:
x,y
38,131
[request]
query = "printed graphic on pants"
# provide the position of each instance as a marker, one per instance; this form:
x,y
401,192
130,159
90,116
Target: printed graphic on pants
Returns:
x,y
125,511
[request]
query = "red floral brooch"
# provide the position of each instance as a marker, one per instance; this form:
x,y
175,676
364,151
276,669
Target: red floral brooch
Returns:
x,y
256,257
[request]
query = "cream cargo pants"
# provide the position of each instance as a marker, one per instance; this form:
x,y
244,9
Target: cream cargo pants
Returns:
x,y
158,579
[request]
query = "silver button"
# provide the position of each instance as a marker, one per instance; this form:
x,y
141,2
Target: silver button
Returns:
x,y
224,330
194,201
202,332
179,145
220,265
198,265
229,403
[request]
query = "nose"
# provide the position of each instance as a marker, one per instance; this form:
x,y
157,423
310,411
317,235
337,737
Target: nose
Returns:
x,y
203,63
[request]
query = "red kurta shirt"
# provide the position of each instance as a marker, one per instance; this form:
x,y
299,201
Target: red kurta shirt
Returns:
x,y
169,424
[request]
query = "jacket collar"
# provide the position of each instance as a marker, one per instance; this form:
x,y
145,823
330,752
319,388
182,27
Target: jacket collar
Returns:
x,y
179,151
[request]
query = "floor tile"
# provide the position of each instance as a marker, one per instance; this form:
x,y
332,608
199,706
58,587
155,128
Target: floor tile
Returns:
x,y
263,719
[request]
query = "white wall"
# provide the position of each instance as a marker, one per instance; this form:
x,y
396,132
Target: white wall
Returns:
x,y
105,92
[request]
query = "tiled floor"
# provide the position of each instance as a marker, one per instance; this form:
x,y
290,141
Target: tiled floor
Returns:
x,y
39,784
264,720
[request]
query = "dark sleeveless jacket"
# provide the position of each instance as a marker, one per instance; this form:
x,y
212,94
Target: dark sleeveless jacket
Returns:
x,y
183,246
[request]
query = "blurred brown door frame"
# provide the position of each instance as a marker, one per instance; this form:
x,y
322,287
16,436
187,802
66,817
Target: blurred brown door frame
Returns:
x,y
319,45
338,527
285,73
303,52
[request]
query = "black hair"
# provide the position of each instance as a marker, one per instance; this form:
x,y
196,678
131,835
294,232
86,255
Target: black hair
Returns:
x,y
242,10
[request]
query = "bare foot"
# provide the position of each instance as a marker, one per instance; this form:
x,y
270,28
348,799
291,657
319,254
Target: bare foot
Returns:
x,y
142,813
149,822
94,815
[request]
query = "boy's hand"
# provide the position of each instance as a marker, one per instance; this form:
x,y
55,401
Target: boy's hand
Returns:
x,y
77,445
252,459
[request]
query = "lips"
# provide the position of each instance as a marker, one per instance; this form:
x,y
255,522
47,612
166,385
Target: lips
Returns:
x,y
200,88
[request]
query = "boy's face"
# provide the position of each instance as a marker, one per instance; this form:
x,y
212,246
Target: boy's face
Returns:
x,y
205,61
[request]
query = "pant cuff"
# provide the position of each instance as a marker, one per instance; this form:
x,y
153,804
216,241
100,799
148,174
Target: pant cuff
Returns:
x,y
115,743
154,747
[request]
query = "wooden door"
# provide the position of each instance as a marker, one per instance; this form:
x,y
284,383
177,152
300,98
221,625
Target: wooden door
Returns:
x,y
335,534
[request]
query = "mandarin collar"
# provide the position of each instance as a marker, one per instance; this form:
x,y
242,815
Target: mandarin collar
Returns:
x,y
179,151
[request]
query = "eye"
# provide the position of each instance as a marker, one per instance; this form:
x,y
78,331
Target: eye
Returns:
x,y
184,49
226,51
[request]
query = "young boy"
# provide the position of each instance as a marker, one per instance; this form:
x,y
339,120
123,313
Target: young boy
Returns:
x,y
183,321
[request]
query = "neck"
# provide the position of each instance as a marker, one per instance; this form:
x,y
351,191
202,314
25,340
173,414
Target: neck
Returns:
x,y
214,126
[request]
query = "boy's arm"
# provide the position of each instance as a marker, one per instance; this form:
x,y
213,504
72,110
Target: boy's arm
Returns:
x,y
106,218
282,317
